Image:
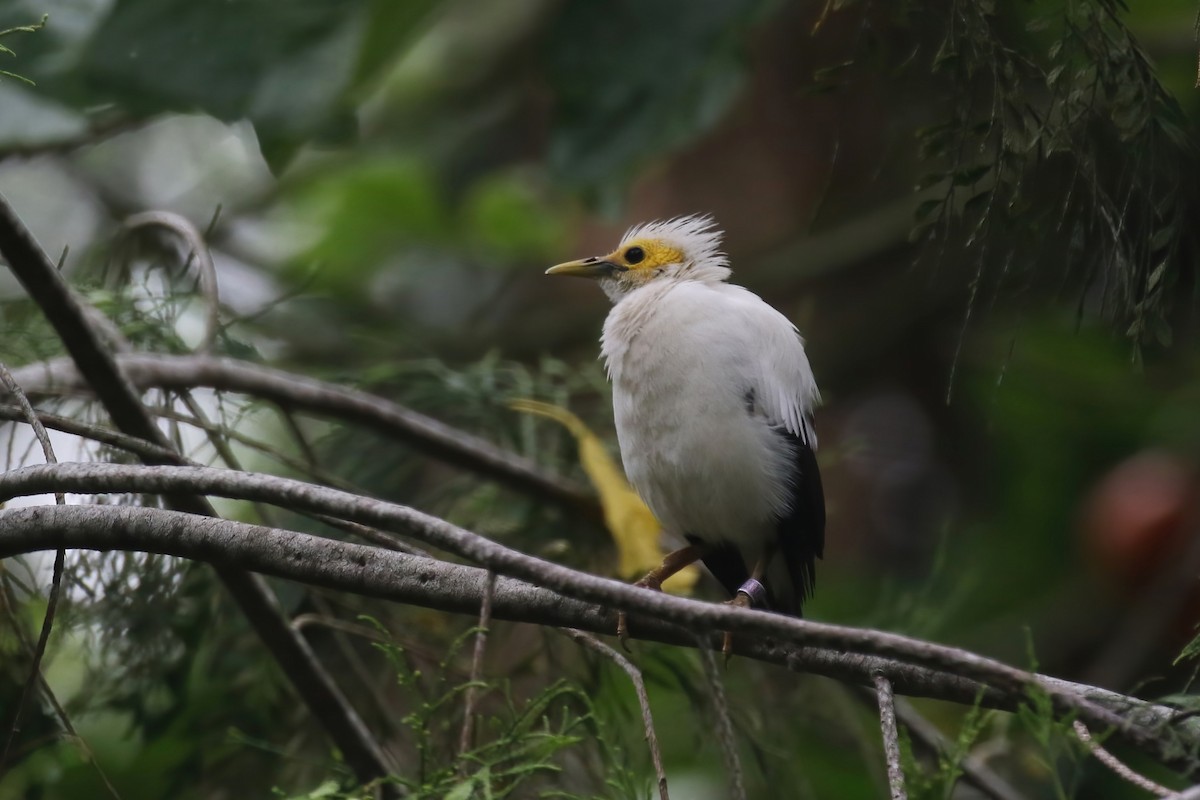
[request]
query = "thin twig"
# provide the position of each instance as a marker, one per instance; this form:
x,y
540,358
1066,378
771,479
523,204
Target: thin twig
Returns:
x,y
891,737
341,631
1116,765
6,599
98,369
471,694
639,688
293,426
725,734
149,450
60,557
429,436
198,252
333,623
12,412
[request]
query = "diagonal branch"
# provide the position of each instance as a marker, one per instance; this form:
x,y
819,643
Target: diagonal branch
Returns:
x,y
428,435
96,365
639,688
60,556
1117,766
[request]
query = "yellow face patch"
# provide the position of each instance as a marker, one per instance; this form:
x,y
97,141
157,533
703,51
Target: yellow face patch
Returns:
x,y
645,254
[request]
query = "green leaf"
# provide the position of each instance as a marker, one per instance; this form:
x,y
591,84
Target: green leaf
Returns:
x,y
1161,238
971,175
367,212
286,72
625,91
926,208
510,222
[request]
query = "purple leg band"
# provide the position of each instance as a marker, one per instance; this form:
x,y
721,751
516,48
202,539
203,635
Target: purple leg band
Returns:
x,y
755,591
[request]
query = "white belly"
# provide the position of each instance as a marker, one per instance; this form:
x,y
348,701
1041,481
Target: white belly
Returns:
x,y
702,462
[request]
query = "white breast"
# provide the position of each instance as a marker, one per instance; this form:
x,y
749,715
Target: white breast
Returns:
x,y
688,360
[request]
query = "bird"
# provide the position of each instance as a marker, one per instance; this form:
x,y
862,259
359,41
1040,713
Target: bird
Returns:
x,y
713,399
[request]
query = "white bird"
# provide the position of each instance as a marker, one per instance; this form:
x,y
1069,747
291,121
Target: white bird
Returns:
x,y
713,398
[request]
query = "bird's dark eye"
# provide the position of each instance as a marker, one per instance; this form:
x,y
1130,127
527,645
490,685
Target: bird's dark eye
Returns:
x,y
634,255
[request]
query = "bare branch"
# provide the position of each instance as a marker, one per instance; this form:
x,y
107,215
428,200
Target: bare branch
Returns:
x,y
141,447
198,253
485,619
639,688
97,367
891,737
97,433
429,436
699,617
371,572
1116,765
716,688
39,651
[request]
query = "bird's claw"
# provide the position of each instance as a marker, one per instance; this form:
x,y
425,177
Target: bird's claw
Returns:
x,y
739,600
623,631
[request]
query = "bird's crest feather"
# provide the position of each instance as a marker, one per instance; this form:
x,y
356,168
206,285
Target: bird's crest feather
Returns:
x,y
696,236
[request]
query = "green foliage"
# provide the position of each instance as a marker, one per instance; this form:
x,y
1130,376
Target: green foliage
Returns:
x,y
1073,97
369,210
937,781
523,742
1057,164
635,79
9,52
152,56
1190,650
1057,749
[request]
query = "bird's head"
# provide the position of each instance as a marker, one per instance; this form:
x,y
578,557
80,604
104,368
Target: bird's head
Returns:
x,y
683,248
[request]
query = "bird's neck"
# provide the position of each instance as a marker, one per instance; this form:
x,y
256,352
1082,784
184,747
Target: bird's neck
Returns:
x,y
617,290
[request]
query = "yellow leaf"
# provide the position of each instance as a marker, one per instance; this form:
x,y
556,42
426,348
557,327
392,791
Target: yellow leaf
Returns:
x,y
632,525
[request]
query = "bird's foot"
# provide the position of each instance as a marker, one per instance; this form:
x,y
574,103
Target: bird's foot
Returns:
x,y
751,593
739,601
649,582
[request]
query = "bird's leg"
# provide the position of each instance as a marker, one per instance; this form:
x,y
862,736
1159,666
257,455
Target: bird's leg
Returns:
x,y
672,563
751,593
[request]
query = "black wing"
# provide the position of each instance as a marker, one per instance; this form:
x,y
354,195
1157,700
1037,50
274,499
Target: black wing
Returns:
x,y
802,532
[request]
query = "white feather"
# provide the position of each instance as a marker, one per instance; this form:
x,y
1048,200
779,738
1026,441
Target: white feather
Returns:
x,y
688,355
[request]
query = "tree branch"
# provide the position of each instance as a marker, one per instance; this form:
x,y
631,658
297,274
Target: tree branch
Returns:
x,y
891,737
913,666
485,620
639,688
724,724
1117,766
35,668
98,368
427,435
198,254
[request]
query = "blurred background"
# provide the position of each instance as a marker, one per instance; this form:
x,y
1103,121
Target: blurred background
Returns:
x,y
982,217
